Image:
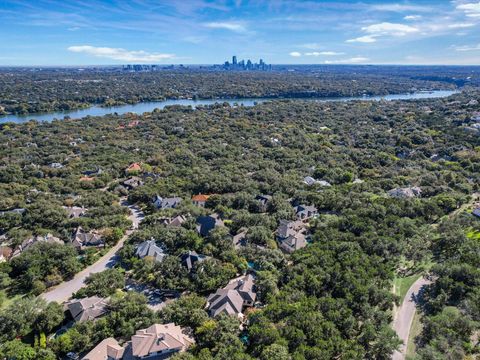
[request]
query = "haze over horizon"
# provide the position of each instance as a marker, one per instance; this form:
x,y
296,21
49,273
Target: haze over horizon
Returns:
x,y
51,32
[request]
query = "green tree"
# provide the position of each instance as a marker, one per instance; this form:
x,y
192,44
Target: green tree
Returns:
x,y
103,284
16,350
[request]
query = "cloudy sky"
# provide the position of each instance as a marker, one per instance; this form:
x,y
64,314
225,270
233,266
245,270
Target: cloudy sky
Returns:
x,y
51,32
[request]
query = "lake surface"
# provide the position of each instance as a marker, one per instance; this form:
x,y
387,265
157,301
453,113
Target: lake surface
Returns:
x,y
151,105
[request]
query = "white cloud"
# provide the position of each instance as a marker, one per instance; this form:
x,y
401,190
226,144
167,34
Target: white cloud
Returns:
x,y
311,46
323,53
383,29
413,17
470,9
400,8
363,39
468,48
392,29
232,26
353,60
460,26
295,54
120,54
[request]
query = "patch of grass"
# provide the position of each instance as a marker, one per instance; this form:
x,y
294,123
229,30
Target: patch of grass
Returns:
x,y
402,284
473,234
415,330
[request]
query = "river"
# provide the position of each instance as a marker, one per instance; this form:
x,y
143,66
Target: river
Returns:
x,y
151,105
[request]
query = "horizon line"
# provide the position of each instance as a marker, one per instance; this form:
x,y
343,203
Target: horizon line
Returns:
x,y
185,65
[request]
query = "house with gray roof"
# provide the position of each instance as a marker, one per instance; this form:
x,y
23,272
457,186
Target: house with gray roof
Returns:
x,y
205,224
75,211
233,298
157,342
305,212
132,182
18,211
476,212
308,180
150,248
240,239
190,258
83,239
56,165
96,171
174,221
166,203
107,349
89,308
48,238
405,193
263,201
292,235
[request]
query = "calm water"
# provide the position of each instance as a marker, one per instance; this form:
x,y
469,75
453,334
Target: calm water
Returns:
x,y
151,105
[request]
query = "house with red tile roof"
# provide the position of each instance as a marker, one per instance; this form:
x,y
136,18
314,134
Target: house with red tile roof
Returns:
x,y
135,167
200,199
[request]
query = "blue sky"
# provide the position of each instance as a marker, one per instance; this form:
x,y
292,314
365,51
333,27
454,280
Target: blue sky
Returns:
x,y
51,32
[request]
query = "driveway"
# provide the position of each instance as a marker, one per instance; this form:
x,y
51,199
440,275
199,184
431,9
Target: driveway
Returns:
x,y
404,316
64,291
156,299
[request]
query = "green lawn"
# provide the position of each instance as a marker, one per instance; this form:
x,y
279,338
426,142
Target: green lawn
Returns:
x,y
415,330
402,284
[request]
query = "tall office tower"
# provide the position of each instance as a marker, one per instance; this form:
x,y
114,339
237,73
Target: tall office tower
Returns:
x,y
234,60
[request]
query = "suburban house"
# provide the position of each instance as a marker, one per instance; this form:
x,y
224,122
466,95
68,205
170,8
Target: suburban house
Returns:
x,y
97,171
89,308
200,199
292,235
5,253
233,298
174,221
56,165
49,238
405,193
150,248
305,212
18,211
240,239
107,349
157,342
189,259
86,179
132,182
166,203
133,168
308,180
207,223
82,239
75,211
476,212
263,200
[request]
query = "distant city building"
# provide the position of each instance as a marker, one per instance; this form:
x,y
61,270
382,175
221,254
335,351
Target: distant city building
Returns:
x,y
247,65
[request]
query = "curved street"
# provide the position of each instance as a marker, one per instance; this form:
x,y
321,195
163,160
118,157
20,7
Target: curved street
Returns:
x,y
404,316
64,291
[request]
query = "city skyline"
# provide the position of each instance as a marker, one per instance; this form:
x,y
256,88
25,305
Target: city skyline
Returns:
x,y
51,32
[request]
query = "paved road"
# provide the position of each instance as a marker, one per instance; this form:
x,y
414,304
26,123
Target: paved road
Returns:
x,y
64,291
404,317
